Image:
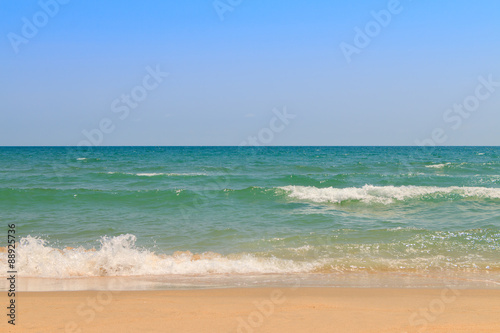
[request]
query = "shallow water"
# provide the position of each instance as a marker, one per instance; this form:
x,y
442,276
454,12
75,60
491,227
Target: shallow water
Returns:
x,y
198,212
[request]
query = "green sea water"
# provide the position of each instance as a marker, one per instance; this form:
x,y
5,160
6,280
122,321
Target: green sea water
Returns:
x,y
209,211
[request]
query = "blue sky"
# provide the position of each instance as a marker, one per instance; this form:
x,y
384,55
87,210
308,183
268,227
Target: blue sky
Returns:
x,y
229,68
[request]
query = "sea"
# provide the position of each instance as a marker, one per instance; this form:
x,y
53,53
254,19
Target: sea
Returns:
x,y
212,217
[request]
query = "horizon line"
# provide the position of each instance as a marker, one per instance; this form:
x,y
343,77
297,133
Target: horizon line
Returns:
x,y
234,146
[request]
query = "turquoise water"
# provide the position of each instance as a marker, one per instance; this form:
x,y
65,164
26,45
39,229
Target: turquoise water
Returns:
x,y
201,211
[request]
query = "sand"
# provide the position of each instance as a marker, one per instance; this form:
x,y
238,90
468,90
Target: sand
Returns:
x,y
258,310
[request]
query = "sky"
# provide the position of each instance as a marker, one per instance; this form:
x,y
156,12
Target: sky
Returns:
x,y
238,72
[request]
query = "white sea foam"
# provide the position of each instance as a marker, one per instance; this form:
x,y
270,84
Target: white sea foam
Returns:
x,y
438,166
169,174
384,194
118,256
153,174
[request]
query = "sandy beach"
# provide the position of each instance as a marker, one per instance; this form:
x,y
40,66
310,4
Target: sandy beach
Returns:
x,y
259,310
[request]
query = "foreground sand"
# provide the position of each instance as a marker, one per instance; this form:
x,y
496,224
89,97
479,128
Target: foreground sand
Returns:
x,y
259,310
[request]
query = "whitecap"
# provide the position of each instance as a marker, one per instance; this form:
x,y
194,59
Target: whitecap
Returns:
x,y
383,194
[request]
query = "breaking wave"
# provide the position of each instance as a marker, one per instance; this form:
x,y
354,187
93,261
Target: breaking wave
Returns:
x,y
386,194
119,256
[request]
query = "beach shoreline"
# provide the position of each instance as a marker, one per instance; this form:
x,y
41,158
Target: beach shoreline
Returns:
x,y
394,280
259,310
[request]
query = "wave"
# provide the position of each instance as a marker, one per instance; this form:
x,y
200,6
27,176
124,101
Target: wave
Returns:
x,y
119,256
88,159
153,174
385,194
438,166
367,194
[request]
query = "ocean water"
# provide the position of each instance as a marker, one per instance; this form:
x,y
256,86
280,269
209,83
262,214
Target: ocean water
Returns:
x,y
198,215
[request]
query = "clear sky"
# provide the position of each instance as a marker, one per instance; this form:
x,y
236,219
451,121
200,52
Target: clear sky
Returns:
x,y
350,72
